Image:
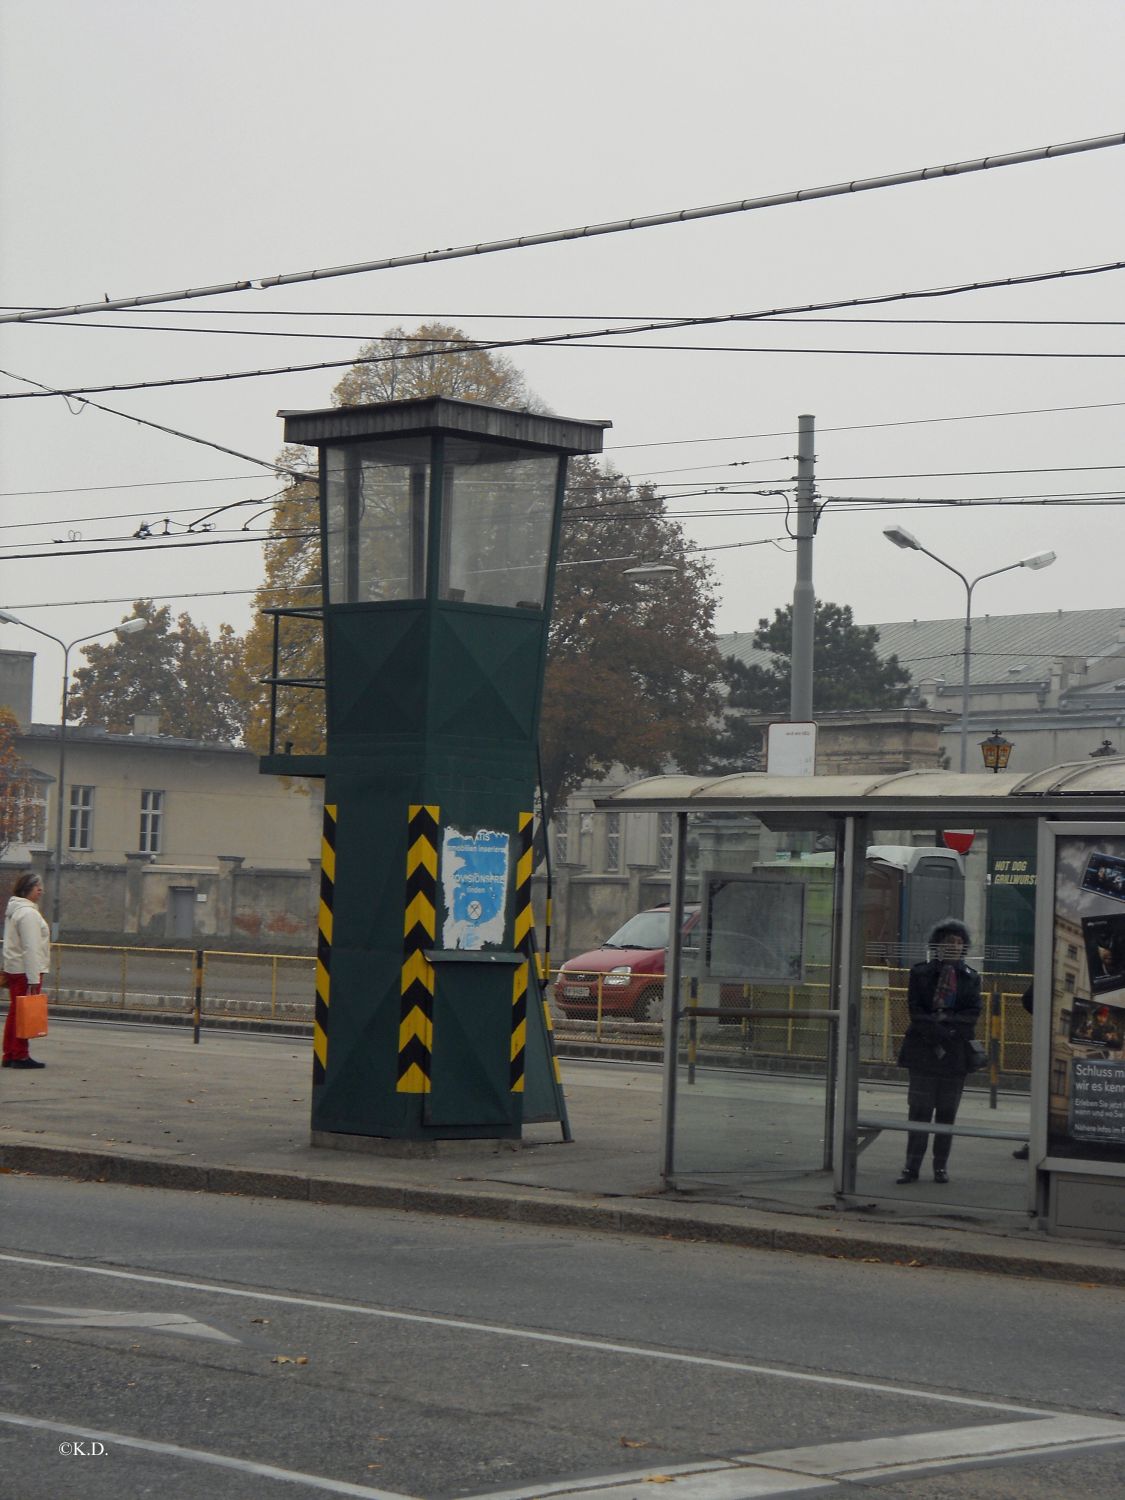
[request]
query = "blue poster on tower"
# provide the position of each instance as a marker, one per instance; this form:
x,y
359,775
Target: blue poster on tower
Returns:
x,y
474,874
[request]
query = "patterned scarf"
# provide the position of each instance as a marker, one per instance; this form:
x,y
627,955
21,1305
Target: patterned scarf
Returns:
x,y
945,996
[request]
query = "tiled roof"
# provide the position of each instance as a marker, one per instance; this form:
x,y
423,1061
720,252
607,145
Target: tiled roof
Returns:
x,y
1006,648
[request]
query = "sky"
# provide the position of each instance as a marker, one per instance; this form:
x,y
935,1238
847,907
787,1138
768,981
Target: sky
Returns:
x,y
150,148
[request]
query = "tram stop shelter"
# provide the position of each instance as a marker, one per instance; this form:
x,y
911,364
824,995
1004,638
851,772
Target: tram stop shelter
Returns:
x,y
785,993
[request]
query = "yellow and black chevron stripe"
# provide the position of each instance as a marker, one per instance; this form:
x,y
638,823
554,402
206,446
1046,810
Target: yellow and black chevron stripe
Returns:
x,y
324,943
522,943
416,1026
550,1025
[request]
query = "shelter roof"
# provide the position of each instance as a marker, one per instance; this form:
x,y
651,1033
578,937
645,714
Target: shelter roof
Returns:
x,y
1080,789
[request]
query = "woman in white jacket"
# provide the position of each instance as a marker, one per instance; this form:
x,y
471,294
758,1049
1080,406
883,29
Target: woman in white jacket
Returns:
x,y
27,957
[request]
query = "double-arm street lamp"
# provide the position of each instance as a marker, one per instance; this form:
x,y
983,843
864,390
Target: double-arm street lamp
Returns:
x,y
903,538
127,627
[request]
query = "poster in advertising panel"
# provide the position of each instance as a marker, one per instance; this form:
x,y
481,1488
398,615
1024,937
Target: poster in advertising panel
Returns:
x,y
1086,1115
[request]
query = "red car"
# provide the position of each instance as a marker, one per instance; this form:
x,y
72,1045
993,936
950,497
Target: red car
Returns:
x,y
630,967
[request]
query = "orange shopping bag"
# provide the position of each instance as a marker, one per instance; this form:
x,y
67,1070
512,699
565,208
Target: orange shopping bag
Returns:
x,y
31,1016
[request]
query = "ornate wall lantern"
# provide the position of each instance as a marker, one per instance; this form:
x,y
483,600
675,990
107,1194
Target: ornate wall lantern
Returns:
x,y
996,750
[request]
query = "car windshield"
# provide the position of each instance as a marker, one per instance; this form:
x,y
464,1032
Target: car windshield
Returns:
x,y
648,929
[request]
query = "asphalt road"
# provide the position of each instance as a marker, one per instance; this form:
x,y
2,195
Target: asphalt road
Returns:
x,y
195,1346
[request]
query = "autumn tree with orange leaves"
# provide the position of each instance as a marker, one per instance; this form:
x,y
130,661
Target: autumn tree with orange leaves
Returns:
x,y
632,669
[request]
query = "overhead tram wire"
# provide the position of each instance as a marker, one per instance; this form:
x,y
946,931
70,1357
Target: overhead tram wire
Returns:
x,y
852,506
172,544
189,437
163,598
794,321
559,339
924,474
446,318
972,416
590,231
145,484
738,437
635,348
842,478
606,504
310,587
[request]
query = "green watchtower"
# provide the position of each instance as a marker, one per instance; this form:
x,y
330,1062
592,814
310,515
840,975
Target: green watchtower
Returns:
x,y
439,531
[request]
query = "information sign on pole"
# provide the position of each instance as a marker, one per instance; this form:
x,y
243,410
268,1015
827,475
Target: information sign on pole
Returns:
x,y
791,749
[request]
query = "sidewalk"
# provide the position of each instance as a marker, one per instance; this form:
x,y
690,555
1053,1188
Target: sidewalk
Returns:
x,y
144,1106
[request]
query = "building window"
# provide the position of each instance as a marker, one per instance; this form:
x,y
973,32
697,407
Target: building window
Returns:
x,y
80,835
37,820
23,811
1058,1077
613,841
665,838
1068,982
585,838
1071,950
152,819
562,838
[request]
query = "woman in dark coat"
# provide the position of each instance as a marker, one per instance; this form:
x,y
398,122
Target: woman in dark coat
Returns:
x,y
944,1003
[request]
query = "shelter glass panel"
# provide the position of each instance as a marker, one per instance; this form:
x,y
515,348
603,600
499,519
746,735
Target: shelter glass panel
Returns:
x,y
376,507
497,519
916,1016
754,1044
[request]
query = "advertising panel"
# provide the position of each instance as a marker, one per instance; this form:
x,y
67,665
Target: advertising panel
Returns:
x,y
1086,1111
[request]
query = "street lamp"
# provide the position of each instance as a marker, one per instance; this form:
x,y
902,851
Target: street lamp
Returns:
x,y
903,538
996,750
127,627
651,572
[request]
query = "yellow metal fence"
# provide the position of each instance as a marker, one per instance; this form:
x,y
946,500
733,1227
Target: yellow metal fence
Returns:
x,y
268,987
797,1034
162,981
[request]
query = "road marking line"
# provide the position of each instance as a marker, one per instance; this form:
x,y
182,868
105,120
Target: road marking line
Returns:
x,y
870,1457
24,1314
201,1456
717,1481
594,1482
788,1471
535,1336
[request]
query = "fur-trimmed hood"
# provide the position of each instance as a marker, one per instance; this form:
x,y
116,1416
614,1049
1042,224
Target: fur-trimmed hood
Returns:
x,y
949,927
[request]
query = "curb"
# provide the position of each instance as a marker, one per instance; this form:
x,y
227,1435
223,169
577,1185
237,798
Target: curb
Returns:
x,y
620,1217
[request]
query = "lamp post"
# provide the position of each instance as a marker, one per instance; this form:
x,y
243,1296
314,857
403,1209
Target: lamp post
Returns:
x,y
903,538
127,627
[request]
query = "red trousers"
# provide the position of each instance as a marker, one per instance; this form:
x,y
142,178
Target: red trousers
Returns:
x,y
15,1046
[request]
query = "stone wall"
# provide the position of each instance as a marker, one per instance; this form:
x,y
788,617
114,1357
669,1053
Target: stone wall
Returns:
x,y
135,904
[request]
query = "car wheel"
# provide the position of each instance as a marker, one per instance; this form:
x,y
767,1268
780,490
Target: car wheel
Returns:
x,y
650,1004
